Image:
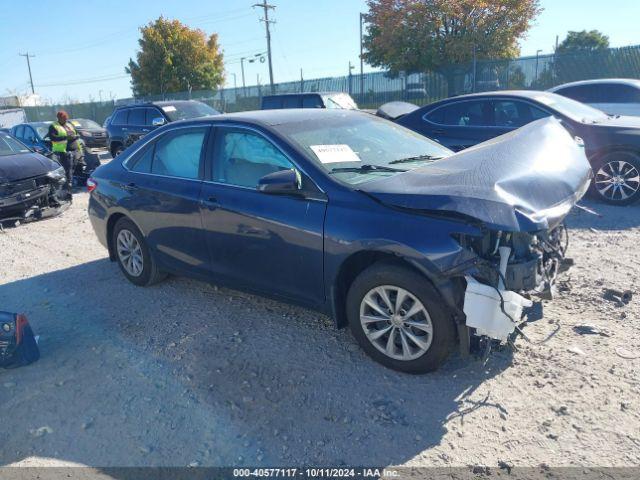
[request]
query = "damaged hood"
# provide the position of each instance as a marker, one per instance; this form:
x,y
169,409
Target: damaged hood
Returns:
x,y
526,180
24,165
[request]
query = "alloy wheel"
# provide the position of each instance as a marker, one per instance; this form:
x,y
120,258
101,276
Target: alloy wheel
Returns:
x,y
130,253
396,322
617,180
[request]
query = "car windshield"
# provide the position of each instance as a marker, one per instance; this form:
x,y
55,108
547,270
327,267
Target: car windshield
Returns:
x,y
360,147
574,110
84,123
10,146
340,100
186,110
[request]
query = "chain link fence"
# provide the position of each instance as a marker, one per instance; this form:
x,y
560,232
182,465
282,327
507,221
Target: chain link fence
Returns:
x,y
373,89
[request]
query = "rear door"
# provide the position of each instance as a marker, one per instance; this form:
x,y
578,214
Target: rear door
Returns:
x,y
268,243
459,124
164,186
137,124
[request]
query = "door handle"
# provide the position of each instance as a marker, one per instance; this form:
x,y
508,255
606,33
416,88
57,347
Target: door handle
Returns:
x,y
211,203
131,186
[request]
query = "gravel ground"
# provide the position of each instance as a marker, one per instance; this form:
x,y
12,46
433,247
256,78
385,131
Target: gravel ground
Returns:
x,y
187,373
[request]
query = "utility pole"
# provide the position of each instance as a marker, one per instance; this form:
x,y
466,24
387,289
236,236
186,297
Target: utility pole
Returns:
x,y
244,86
28,57
361,58
301,82
264,5
351,67
538,52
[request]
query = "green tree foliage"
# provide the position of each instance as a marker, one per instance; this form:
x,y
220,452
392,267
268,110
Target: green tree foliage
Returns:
x,y
174,58
582,55
423,35
584,41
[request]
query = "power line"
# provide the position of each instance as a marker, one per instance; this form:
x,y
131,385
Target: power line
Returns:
x,y
28,56
266,7
82,81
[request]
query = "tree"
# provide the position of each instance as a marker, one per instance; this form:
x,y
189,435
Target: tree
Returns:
x,y
174,58
583,42
582,55
423,35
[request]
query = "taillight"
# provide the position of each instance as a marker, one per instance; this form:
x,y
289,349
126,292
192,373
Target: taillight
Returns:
x,y
91,185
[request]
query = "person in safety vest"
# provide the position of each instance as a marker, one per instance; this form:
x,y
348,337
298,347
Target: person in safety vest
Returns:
x,y
66,146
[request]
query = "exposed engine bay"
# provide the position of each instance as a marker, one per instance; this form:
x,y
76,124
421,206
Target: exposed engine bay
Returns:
x,y
512,268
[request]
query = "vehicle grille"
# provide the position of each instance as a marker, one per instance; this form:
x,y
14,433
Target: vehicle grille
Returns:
x,y
9,189
99,135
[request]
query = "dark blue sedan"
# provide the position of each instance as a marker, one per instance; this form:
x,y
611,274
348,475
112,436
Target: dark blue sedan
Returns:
x,y
386,231
612,143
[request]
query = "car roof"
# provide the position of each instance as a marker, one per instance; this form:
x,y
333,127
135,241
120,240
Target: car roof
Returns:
x,y
270,118
597,81
302,93
36,124
161,103
532,94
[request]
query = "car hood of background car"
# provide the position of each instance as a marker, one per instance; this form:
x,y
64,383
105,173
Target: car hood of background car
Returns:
x,y
24,165
526,180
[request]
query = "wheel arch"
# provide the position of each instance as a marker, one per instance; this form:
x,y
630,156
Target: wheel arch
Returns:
x,y
359,261
111,223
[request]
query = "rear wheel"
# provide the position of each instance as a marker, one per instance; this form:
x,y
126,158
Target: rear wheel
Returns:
x,y
399,319
116,150
133,255
617,178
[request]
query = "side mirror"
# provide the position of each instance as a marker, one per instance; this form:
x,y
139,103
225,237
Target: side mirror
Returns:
x,y
158,122
283,182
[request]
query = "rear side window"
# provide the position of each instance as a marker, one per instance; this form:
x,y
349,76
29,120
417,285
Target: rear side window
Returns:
x,y
178,153
312,101
19,132
142,162
582,93
270,103
137,117
120,117
462,114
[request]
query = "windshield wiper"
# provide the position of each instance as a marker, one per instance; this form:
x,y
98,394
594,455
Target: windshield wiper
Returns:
x,y
366,168
417,158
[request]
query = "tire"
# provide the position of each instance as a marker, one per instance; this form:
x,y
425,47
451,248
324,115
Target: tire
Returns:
x,y
116,150
617,178
143,271
436,328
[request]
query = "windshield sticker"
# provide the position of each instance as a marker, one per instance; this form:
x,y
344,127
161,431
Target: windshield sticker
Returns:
x,y
75,123
334,153
169,108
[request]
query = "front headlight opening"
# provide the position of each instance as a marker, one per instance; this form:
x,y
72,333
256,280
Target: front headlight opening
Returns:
x,y
57,173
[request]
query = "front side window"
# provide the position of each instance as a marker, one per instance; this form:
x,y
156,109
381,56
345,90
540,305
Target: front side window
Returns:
x,y
243,158
19,132
311,101
462,114
292,101
514,114
618,93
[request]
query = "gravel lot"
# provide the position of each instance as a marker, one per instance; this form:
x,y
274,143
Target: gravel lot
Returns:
x,y
187,373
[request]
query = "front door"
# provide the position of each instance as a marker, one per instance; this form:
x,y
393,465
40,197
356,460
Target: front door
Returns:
x,y
264,242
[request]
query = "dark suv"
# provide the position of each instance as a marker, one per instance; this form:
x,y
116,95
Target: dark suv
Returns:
x,y
337,100
131,122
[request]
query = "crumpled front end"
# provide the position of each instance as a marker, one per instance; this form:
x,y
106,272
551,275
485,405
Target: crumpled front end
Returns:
x,y
33,198
511,269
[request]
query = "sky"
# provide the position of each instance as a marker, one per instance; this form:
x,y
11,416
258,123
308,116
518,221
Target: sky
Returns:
x,y
81,48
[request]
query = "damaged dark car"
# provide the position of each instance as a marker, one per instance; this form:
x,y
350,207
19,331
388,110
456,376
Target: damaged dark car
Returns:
x,y
417,249
31,185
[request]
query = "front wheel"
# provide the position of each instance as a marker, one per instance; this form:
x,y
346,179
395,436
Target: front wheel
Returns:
x,y
399,319
133,256
617,178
